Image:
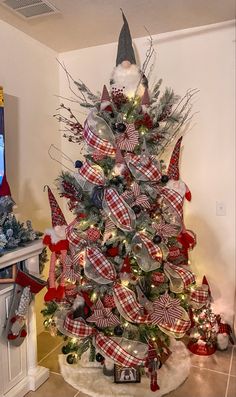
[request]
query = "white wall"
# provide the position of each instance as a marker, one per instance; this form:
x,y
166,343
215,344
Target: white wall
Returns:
x,y
29,76
200,58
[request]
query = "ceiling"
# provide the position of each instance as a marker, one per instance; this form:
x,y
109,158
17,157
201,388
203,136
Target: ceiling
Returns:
x,y
86,23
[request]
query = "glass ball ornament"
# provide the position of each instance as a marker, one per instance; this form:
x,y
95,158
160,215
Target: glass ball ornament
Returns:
x,y
118,330
65,349
120,127
78,164
137,209
99,358
157,239
71,359
164,178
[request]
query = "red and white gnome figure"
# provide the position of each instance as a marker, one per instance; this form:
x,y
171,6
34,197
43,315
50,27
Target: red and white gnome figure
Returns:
x,y
174,192
55,239
127,78
6,201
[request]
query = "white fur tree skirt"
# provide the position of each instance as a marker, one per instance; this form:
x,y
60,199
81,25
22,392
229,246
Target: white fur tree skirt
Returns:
x,y
89,379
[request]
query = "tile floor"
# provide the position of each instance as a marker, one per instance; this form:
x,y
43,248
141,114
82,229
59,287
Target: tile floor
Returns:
x,y
213,376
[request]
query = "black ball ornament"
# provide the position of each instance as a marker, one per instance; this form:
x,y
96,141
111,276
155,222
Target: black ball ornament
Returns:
x,y
156,239
97,196
99,358
121,127
164,178
118,330
78,164
65,349
136,209
70,359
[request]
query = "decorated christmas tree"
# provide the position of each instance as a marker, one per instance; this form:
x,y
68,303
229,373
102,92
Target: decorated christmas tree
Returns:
x,y
120,286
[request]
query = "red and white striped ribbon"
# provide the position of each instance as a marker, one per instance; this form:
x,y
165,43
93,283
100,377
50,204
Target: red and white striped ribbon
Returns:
x,y
73,235
145,171
166,310
129,139
117,209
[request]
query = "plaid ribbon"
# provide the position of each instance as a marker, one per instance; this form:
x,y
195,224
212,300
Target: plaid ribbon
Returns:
x,y
91,174
166,310
154,250
174,273
96,142
102,316
116,352
118,209
165,229
175,199
127,304
100,263
73,235
146,171
200,295
129,139
77,327
180,327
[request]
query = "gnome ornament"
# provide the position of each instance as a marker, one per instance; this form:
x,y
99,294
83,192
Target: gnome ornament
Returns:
x,y
6,201
127,76
55,239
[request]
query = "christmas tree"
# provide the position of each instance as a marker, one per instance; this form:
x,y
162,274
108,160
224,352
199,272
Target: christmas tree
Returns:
x,y
124,283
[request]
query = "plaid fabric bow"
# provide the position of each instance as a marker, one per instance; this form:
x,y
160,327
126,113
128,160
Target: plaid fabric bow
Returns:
x,y
129,139
80,329
179,277
91,174
154,250
166,310
134,195
118,354
142,170
100,263
97,143
127,304
103,316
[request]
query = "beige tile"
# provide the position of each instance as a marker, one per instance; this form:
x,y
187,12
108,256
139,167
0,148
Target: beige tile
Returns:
x,y
202,383
232,387
54,386
219,361
233,368
46,343
51,361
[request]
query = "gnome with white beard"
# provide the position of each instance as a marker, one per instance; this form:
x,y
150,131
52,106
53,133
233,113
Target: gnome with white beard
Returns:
x,y
127,76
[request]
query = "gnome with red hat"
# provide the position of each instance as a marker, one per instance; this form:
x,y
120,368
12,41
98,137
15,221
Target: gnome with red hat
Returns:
x,y
6,201
174,193
55,239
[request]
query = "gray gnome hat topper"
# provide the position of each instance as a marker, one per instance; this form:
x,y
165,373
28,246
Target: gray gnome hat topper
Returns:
x,y
125,49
